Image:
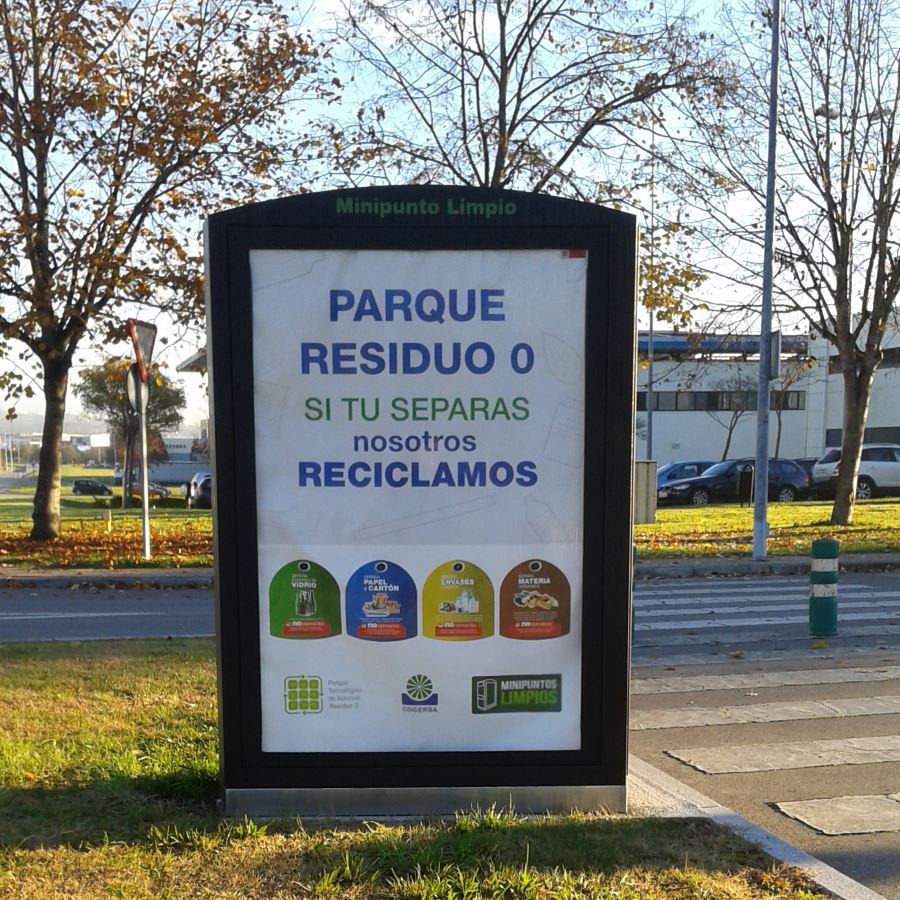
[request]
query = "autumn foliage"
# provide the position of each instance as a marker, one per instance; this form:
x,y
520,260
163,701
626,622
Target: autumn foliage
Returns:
x,y
122,124
93,543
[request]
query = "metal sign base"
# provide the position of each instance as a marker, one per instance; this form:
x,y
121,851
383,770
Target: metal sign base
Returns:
x,y
420,801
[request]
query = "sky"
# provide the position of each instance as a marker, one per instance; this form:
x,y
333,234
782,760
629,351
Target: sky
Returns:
x,y
181,346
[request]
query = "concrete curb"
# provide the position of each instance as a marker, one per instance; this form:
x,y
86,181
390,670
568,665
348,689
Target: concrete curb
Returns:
x,y
133,579
736,566
661,795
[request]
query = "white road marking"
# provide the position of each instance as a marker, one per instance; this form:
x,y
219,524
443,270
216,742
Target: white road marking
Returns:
x,y
780,711
731,621
791,755
722,653
737,590
26,617
707,609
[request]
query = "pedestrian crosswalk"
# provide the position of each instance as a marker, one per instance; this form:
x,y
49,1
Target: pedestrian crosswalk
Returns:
x,y
685,622
792,755
816,721
685,683
767,712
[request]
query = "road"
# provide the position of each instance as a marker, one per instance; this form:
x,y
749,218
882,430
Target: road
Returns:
x,y
801,736
90,613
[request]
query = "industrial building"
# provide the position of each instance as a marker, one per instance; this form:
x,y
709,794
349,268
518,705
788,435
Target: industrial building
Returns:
x,y
704,397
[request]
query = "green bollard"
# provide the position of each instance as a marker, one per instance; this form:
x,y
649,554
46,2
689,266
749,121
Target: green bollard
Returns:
x,y
823,585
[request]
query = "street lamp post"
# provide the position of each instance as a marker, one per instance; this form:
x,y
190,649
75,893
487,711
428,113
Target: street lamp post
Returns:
x,y
761,484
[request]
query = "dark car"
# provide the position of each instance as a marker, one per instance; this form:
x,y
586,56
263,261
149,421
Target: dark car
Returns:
x,y
201,498
156,491
88,487
675,471
787,482
806,463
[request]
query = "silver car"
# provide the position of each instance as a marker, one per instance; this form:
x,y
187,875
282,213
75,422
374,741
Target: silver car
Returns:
x,y
823,470
879,471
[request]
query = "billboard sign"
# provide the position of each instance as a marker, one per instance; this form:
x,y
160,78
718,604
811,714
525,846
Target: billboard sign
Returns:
x,y
421,498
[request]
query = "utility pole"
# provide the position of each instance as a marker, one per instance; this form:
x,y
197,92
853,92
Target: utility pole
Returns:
x,y
650,309
143,336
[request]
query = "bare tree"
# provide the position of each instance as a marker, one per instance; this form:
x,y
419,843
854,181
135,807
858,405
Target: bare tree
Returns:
x,y
736,396
539,95
838,187
792,372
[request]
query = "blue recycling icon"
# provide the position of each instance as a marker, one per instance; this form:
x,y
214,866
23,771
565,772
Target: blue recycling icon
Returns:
x,y
381,603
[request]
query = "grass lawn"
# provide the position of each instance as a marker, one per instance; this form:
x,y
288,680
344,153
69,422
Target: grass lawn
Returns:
x,y
727,529
98,533
108,778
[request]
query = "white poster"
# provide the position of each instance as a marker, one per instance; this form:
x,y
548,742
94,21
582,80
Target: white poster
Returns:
x,y
419,423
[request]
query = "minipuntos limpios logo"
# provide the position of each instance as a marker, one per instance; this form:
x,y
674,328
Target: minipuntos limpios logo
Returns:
x,y
516,693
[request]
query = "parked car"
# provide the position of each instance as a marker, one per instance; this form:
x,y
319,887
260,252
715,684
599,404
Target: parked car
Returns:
x,y
156,491
675,471
823,470
201,498
787,482
879,471
806,463
90,487
188,490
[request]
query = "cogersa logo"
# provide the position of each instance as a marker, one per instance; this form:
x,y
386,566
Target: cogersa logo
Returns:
x,y
516,693
419,695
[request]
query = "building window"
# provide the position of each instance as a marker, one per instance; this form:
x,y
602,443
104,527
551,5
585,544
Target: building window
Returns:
x,y
884,435
721,401
665,400
890,358
788,400
734,401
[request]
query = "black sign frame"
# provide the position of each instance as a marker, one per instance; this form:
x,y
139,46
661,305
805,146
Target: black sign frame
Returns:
x,y
425,218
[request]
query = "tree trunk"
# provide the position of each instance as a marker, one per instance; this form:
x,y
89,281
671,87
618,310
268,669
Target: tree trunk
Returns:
x,y
857,392
731,426
128,474
45,517
126,468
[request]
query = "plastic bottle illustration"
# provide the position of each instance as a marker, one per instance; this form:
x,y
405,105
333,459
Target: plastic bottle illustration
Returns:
x,y
457,603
